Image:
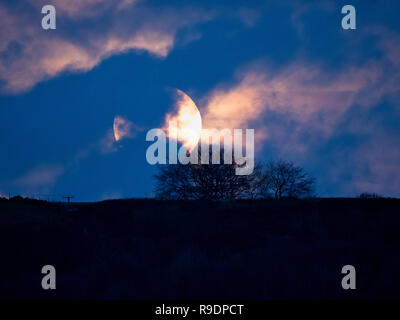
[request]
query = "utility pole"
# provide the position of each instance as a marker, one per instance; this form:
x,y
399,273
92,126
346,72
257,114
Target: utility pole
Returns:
x,y
68,198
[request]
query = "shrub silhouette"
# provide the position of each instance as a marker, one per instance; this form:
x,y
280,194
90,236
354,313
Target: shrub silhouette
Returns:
x,y
368,195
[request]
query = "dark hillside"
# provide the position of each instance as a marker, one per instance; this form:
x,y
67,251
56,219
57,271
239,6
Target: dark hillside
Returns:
x,y
141,249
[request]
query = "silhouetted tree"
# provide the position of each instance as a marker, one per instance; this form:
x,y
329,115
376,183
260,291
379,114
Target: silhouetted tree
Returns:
x,y
218,182
276,179
202,181
284,179
175,182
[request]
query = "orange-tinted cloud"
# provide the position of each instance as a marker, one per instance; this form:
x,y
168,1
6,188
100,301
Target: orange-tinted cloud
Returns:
x,y
31,54
77,9
123,128
309,100
299,89
301,92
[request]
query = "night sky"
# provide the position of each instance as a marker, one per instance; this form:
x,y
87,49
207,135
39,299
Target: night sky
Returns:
x,y
326,98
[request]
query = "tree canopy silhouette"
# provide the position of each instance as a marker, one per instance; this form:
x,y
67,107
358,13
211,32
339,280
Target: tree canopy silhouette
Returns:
x,y
202,181
284,179
277,179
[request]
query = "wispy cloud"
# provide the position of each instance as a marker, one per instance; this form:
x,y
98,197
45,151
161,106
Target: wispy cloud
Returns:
x,y
77,9
43,176
300,8
303,105
301,92
29,54
107,143
371,166
123,128
305,93
111,195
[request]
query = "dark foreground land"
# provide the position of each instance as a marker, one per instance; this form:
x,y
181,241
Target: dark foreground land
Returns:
x,y
148,249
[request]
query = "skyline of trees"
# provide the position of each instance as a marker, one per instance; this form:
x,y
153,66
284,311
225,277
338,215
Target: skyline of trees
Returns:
x,y
275,179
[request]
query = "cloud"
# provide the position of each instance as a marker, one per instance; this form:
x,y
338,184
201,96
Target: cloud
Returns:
x,y
42,176
301,107
370,167
302,92
308,96
29,54
249,16
295,108
300,8
76,9
107,143
123,128
111,196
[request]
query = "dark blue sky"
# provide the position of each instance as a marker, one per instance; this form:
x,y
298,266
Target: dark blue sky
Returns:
x,y
323,97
